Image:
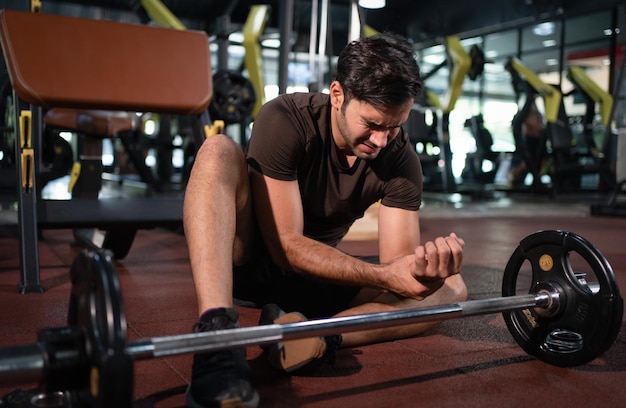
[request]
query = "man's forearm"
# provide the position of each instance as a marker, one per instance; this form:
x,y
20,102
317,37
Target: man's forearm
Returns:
x,y
323,262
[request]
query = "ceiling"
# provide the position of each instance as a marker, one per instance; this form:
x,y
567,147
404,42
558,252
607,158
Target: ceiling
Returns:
x,y
422,22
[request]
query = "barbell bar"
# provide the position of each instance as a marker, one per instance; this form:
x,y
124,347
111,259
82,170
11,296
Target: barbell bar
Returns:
x,y
567,318
267,334
30,361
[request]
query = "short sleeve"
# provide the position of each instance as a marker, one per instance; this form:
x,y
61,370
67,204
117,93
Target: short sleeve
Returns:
x,y
277,143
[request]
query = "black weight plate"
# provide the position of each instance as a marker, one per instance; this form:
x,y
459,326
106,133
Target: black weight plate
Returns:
x,y
96,306
233,97
588,320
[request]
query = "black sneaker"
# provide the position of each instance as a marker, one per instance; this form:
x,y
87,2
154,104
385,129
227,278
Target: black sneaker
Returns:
x,y
295,355
222,378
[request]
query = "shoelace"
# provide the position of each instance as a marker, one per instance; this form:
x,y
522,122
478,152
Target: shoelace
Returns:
x,y
217,321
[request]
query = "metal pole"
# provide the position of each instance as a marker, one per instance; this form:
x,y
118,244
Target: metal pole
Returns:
x,y
286,26
25,363
313,40
258,335
223,42
322,44
30,277
355,30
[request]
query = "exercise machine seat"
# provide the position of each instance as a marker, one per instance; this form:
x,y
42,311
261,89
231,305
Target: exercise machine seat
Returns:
x,y
59,61
94,123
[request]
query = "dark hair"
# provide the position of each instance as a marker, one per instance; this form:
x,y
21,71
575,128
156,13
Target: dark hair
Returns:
x,y
380,70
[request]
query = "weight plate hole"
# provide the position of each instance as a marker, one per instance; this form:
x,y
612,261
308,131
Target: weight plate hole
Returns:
x,y
583,272
524,282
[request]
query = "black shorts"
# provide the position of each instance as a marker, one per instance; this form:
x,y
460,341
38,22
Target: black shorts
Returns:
x,y
260,282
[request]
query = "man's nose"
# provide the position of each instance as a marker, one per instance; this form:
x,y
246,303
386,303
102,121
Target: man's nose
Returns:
x,y
380,137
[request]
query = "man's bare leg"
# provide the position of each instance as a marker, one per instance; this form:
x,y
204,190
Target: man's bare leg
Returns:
x,y
453,291
217,219
217,210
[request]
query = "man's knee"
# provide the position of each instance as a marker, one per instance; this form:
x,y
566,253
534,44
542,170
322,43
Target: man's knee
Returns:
x,y
220,158
220,147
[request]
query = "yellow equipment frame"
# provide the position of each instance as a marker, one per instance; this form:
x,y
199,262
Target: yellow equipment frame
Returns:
x,y
461,63
597,94
253,60
551,95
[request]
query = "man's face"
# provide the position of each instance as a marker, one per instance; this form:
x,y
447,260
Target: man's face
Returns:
x,y
360,129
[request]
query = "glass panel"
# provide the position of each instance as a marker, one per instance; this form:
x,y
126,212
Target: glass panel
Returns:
x,y
429,60
497,80
543,61
541,36
589,54
590,26
500,45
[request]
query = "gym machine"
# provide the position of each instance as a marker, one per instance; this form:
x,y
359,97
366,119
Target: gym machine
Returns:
x,y
567,162
593,94
236,98
614,204
232,102
80,55
460,65
474,171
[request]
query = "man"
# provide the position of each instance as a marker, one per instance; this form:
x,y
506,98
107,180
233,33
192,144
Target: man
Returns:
x,y
270,223
531,148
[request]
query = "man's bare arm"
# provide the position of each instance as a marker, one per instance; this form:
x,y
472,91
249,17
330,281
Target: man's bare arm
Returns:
x,y
279,213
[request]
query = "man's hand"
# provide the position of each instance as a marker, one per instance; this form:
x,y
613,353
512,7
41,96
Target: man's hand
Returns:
x,y
426,270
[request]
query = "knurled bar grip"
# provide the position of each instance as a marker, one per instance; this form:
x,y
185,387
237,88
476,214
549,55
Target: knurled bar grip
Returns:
x,y
26,363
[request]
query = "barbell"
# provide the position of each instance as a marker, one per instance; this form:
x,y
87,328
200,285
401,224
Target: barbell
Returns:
x,y
564,317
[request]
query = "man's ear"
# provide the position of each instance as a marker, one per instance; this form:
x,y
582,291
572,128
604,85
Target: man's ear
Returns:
x,y
336,94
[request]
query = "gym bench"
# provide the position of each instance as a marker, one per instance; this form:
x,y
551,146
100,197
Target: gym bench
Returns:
x,y
75,63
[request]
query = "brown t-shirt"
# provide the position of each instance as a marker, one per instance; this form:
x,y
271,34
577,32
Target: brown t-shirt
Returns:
x,y
292,139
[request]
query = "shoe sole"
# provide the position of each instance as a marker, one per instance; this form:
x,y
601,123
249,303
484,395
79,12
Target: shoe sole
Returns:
x,y
294,354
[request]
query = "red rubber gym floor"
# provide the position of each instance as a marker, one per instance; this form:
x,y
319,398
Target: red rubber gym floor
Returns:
x,y
467,362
